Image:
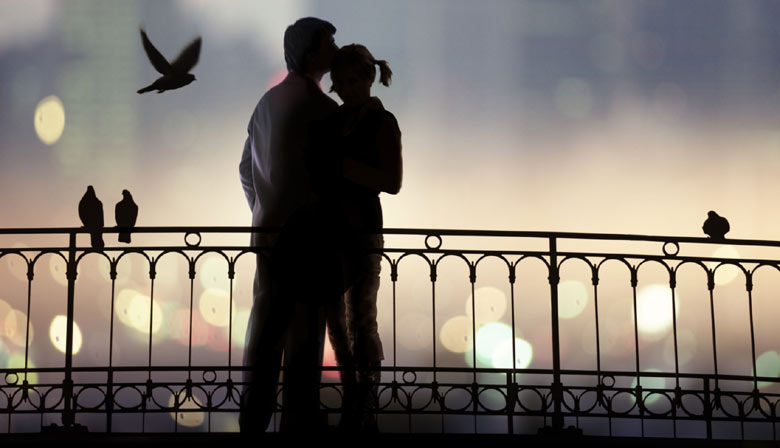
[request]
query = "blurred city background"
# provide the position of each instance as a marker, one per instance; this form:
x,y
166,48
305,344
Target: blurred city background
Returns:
x,y
601,116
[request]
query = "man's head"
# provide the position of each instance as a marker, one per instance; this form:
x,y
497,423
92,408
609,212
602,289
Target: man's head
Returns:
x,y
309,46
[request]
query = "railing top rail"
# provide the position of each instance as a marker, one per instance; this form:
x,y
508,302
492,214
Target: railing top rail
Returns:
x,y
405,231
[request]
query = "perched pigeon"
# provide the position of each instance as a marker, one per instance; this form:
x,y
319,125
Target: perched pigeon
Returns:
x,y
91,214
125,212
175,74
715,226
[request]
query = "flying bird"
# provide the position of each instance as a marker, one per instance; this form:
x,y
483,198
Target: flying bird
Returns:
x,y
91,214
125,212
715,226
176,74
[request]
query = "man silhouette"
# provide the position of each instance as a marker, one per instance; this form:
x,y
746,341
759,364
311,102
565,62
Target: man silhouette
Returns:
x,y
276,182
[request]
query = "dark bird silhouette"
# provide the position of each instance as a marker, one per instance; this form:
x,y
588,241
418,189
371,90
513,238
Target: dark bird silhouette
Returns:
x,y
91,214
125,212
176,74
715,226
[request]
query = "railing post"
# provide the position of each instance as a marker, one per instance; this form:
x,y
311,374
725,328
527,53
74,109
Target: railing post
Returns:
x,y
68,416
557,386
707,407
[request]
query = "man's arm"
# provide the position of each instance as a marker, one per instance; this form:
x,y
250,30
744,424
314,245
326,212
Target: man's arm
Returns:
x,y
245,169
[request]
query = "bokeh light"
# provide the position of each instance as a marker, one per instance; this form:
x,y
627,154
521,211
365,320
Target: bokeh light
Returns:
x,y
502,354
58,334
489,337
654,311
240,323
650,382
187,419
572,299
727,272
15,327
490,305
214,307
767,365
5,309
138,313
16,264
122,305
277,78
213,273
49,120
456,334
16,361
58,269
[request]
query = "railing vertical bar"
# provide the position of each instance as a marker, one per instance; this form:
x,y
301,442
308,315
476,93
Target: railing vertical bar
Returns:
x,y
433,333
638,391
707,407
475,396
68,417
395,332
512,380
636,336
711,287
230,328
30,275
752,339
557,386
192,301
674,334
675,405
151,328
598,337
110,385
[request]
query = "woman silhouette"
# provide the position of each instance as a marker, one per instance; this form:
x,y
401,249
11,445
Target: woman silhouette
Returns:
x,y
368,138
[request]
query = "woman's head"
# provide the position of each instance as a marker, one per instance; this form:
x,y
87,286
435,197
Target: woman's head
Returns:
x,y
354,70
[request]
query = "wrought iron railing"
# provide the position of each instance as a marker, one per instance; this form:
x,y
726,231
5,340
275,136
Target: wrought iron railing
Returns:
x,y
485,331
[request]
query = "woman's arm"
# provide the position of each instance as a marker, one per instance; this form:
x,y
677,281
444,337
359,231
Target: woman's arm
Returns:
x,y
388,176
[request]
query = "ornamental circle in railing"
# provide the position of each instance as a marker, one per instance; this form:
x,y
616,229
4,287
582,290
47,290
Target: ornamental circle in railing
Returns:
x,y
411,378
436,242
191,243
671,249
209,376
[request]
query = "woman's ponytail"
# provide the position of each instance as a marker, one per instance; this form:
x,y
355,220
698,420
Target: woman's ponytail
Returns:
x,y
384,72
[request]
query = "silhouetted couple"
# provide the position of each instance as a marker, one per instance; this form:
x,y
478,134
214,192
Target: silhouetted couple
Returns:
x,y
315,170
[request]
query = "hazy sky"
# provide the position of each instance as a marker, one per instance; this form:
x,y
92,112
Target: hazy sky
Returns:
x,y
599,116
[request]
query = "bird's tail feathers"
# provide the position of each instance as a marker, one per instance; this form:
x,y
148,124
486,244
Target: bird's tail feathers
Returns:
x,y
146,89
124,237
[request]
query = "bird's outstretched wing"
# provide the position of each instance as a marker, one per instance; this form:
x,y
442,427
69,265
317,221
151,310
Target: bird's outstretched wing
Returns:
x,y
158,61
188,57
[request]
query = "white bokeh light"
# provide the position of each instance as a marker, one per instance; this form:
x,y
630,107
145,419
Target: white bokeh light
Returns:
x,y
58,334
456,334
572,299
654,311
490,305
49,120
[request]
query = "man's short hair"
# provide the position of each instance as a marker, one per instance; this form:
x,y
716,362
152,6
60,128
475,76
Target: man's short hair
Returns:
x,y
303,37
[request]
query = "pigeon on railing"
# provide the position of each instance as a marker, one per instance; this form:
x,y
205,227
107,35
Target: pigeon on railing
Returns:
x,y
125,213
715,226
91,214
175,74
